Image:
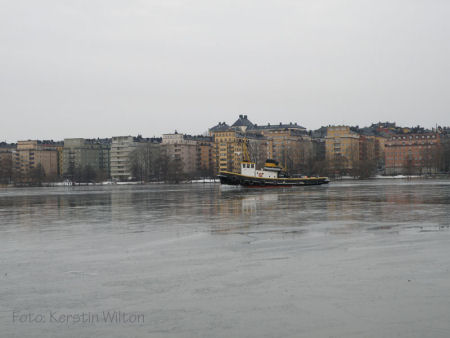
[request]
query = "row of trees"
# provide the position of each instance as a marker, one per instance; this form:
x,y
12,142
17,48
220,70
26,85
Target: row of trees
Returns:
x,y
35,177
363,163
8,174
153,163
298,157
86,174
429,161
148,163
6,170
444,158
341,166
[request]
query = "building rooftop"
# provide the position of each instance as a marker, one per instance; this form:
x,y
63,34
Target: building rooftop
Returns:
x,y
179,136
280,126
141,139
221,126
243,121
199,138
7,145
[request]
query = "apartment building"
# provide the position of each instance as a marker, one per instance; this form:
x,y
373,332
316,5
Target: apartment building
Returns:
x,y
342,148
288,143
291,146
194,153
228,145
412,153
121,148
6,162
81,153
30,154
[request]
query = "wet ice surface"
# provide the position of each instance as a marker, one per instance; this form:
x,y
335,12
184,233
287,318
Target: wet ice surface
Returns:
x,y
352,259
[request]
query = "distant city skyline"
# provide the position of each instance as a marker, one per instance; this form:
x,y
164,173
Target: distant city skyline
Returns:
x,y
104,68
101,134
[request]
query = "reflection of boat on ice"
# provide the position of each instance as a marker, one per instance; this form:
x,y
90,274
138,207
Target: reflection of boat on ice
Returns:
x,y
271,175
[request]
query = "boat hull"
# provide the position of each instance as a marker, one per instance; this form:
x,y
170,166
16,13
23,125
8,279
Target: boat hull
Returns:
x,y
229,178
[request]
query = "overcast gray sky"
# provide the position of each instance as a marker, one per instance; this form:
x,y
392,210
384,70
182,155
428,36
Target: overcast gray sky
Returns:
x,y
97,68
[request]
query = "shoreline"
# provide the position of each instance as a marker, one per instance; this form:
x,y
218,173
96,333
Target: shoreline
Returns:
x,y
217,181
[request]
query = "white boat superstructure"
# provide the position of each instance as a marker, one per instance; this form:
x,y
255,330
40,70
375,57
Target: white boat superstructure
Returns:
x,y
270,169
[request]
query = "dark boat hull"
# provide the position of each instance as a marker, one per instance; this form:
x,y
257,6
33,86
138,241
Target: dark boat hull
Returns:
x,y
249,181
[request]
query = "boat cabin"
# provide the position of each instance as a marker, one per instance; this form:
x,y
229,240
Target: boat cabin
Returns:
x,y
248,168
271,169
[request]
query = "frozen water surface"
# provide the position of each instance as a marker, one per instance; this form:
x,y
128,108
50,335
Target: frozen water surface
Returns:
x,y
352,259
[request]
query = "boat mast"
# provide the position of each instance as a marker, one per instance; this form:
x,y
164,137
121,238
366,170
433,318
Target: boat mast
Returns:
x,y
245,153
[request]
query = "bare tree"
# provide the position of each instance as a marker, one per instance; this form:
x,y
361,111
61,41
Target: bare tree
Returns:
x,y
338,166
145,162
171,168
409,167
444,154
37,175
258,151
429,159
365,168
6,169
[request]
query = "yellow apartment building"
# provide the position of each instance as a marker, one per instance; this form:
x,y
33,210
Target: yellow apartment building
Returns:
x,y
30,154
228,146
342,147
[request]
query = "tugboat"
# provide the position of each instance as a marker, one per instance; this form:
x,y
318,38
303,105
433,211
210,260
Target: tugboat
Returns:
x,y
271,175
